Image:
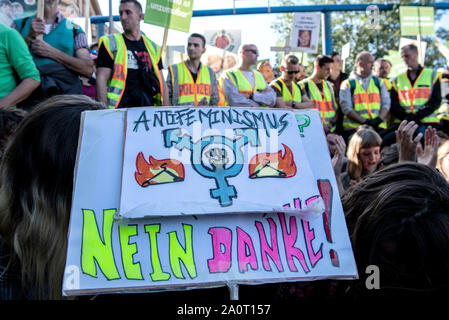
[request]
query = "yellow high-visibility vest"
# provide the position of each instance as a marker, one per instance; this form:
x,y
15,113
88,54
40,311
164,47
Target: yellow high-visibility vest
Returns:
x,y
186,91
324,102
240,81
115,45
287,96
412,98
366,103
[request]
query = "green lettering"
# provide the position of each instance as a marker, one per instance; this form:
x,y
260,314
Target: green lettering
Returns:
x,y
96,250
132,270
158,274
177,253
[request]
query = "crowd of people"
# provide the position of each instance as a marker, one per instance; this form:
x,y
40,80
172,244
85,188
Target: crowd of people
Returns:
x,y
388,140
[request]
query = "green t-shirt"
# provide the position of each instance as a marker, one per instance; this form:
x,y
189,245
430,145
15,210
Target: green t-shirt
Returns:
x,y
14,56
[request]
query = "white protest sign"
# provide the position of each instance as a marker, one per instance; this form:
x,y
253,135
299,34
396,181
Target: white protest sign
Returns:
x,y
106,256
227,159
306,31
226,39
346,51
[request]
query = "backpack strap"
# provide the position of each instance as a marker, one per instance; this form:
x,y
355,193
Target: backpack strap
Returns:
x,y
232,74
352,85
377,83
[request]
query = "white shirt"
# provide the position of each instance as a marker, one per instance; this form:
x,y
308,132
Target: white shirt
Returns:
x,y
235,99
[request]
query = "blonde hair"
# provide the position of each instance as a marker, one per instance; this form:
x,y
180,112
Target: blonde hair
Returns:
x,y
364,138
443,152
36,181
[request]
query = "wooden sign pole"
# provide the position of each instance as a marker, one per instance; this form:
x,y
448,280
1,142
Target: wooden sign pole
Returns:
x,y
164,44
87,24
40,14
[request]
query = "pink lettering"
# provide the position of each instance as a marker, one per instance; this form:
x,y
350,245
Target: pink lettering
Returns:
x,y
244,241
265,249
309,236
289,241
221,262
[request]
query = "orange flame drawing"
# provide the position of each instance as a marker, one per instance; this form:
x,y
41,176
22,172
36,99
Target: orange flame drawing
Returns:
x,y
157,171
273,165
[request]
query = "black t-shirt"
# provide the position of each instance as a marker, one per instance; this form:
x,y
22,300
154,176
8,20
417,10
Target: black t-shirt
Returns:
x,y
132,97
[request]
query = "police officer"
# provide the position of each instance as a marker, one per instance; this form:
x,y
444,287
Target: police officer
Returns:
x,y
129,65
364,98
416,93
288,93
190,82
244,86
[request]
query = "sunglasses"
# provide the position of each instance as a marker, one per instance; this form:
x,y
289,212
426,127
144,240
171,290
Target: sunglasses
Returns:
x,y
94,51
292,72
253,51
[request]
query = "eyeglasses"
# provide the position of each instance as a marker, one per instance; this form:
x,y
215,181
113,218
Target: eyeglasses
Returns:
x,y
293,72
253,51
94,51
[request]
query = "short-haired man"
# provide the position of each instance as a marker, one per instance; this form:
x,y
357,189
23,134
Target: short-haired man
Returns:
x,y
336,77
416,94
244,87
190,82
288,93
381,70
320,91
364,98
129,65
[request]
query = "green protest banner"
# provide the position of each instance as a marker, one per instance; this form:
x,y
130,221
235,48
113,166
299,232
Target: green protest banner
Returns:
x,y
397,65
172,14
417,20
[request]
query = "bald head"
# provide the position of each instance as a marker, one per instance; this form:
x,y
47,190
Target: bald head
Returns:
x,y
249,54
364,64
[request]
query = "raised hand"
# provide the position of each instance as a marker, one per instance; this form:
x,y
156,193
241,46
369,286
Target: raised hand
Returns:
x,y
429,155
404,139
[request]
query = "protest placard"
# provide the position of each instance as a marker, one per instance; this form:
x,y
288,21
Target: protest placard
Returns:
x,y
195,251
306,31
174,14
226,39
397,65
417,20
227,159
